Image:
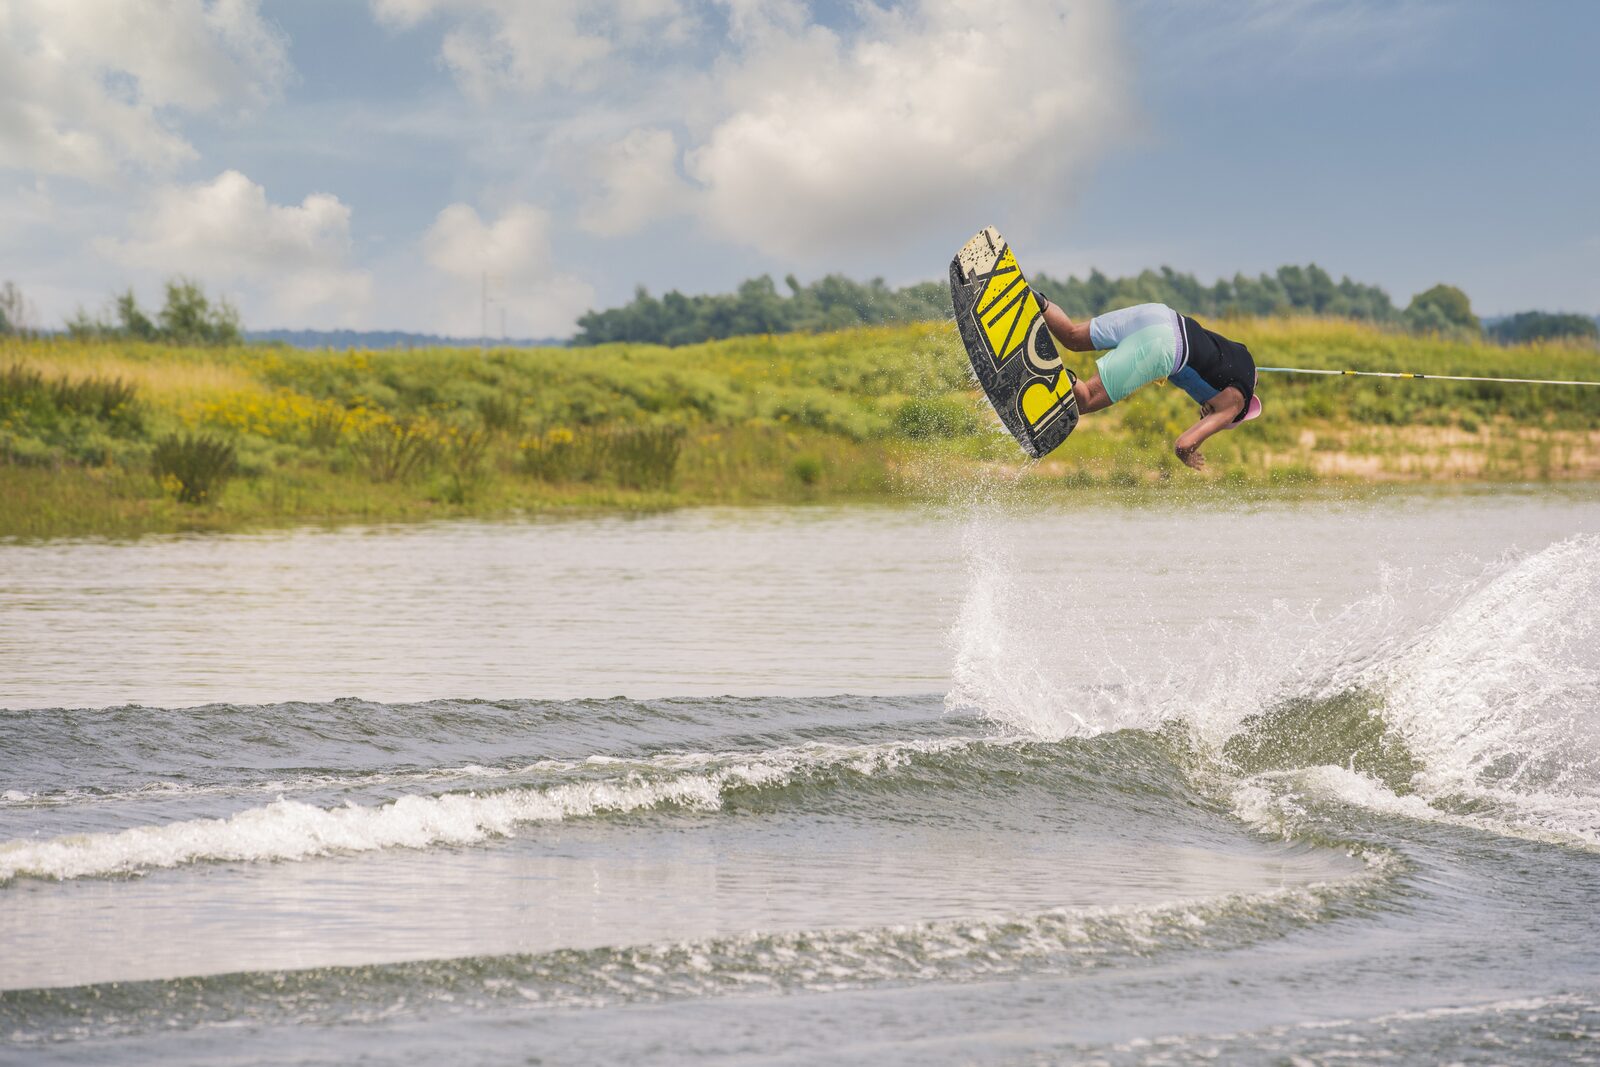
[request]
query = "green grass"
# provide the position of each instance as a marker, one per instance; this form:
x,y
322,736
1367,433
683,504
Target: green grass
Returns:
x,y
103,437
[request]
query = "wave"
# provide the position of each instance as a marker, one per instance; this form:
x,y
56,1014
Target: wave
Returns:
x,y
292,830
811,960
80,753
1465,697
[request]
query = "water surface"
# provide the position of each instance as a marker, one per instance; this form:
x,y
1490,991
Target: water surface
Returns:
x,y
1009,785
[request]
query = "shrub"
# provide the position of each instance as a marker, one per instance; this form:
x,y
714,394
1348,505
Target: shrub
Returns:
x,y
194,466
807,470
559,455
393,451
107,399
501,413
325,426
464,451
23,389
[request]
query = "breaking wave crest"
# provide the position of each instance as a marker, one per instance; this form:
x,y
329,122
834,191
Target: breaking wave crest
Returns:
x,y
292,830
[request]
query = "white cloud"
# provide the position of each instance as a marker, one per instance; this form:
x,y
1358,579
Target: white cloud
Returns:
x,y
637,182
519,45
227,231
514,252
803,140
937,110
87,86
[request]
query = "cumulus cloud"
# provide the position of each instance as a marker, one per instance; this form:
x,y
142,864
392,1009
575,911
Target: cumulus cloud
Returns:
x,y
636,181
514,252
517,45
89,86
227,231
947,108
804,139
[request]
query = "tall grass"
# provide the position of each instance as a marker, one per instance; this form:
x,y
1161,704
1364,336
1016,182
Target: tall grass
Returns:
x,y
633,457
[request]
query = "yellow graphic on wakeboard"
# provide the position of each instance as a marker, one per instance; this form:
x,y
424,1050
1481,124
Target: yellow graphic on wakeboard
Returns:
x,y
999,317
1006,308
1040,399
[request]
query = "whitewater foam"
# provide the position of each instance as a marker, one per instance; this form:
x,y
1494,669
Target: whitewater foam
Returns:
x,y
293,830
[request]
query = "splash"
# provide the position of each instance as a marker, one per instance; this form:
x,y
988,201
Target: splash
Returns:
x,y
1488,678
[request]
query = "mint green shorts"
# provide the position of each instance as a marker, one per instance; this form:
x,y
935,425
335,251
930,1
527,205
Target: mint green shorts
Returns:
x,y
1140,358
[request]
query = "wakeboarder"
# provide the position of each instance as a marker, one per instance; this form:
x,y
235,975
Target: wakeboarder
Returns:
x,y
1150,341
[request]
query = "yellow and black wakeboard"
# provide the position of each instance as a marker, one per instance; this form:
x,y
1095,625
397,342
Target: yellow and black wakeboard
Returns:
x,y
1013,355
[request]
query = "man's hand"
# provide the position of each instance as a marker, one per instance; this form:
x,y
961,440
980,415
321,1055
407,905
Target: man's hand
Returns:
x,y
1216,414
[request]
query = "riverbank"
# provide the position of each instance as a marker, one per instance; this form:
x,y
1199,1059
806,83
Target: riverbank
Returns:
x,y
120,438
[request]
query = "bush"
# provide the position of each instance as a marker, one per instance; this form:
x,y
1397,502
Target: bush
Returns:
x,y
500,413
326,426
464,451
194,466
559,455
807,470
27,391
394,451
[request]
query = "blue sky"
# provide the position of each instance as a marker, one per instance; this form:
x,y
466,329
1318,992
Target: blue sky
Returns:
x,y
365,163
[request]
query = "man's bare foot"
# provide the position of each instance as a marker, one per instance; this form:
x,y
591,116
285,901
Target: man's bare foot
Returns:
x,y
1191,457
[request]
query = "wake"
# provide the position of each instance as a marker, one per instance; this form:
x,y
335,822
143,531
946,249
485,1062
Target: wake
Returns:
x,y
1484,677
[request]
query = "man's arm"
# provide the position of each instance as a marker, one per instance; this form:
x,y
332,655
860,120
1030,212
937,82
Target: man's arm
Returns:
x,y
1075,335
1215,415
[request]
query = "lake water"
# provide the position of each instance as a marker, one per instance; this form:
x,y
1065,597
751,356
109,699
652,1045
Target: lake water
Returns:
x,y
1309,782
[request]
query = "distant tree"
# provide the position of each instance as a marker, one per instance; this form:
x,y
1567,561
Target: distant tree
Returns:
x,y
1542,326
14,317
188,317
1442,309
132,321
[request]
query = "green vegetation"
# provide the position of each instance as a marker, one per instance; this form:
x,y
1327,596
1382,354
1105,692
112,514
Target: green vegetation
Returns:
x,y
1543,326
1442,309
116,435
833,303
836,302
187,318
193,467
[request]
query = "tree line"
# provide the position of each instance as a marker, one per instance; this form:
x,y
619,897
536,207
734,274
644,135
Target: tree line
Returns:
x,y
188,316
835,301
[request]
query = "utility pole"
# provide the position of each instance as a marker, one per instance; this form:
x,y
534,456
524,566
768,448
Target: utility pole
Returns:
x,y
483,326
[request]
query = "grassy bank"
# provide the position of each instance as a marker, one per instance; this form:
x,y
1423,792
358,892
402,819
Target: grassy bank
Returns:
x,y
113,438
